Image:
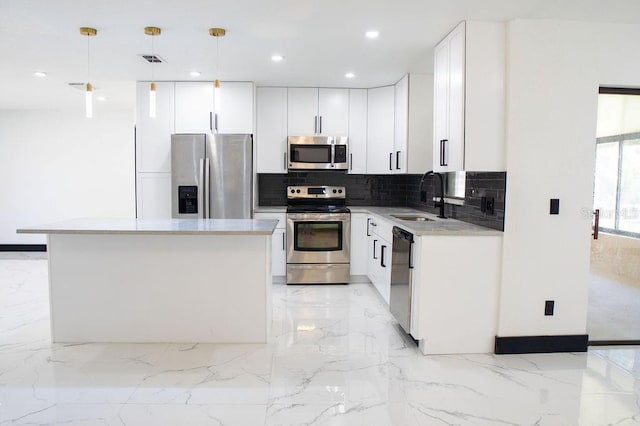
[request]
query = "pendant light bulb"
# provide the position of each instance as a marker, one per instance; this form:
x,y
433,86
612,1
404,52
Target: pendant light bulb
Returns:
x,y
152,100
88,100
216,96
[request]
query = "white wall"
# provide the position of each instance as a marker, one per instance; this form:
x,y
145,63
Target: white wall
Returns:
x,y
554,70
57,165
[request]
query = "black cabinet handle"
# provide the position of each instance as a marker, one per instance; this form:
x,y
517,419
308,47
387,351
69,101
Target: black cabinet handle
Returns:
x,y
315,124
210,120
411,255
391,161
368,223
350,161
382,256
374,248
320,125
215,121
284,165
443,148
283,242
397,160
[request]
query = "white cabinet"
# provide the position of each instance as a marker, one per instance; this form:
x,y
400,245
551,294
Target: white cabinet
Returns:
x,y
236,108
420,124
359,241
154,196
401,125
153,135
194,107
271,129
380,130
278,242
469,99
448,147
318,111
379,247
358,131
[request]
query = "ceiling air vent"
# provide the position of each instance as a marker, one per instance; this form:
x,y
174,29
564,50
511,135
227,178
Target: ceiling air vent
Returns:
x,y
152,59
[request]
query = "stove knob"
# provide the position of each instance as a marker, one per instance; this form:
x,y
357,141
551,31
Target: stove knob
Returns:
x,y
293,191
339,191
334,191
298,191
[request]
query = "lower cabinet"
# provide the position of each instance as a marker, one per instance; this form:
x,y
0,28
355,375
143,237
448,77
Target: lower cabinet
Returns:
x,y
358,250
154,196
278,242
379,245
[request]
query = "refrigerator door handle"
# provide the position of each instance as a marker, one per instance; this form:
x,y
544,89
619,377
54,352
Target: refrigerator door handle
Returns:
x,y
207,169
201,189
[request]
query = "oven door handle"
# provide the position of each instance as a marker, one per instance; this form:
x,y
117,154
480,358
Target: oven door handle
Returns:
x,y
331,217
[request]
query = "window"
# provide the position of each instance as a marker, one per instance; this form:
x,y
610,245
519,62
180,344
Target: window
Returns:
x,y
617,175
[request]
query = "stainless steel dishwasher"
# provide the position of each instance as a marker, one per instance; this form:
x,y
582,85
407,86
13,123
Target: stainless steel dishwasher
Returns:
x,y
400,300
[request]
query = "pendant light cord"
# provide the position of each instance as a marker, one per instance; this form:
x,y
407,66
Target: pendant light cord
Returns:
x,y
153,59
218,58
88,60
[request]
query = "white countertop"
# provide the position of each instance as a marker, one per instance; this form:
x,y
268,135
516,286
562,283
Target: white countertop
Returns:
x,y
437,226
157,226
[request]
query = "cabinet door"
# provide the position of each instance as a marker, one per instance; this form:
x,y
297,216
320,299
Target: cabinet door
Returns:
x,y
154,196
440,104
373,258
333,112
153,135
380,132
358,244
454,153
401,125
358,131
271,130
302,111
279,252
384,283
236,108
194,107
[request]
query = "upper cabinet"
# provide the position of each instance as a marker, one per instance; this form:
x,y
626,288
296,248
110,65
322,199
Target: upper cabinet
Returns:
x,y
271,129
153,135
380,130
448,119
194,108
358,131
401,124
313,111
469,98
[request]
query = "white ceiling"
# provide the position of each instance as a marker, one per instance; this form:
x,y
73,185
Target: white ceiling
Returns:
x,y
320,39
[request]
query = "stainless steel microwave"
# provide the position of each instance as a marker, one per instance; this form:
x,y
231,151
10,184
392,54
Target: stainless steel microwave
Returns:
x,y
318,152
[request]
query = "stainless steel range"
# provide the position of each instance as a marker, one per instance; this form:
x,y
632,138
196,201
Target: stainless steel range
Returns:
x,y
318,235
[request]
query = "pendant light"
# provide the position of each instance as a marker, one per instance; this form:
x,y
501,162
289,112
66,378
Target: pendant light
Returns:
x,y
217,33
88,94
152,31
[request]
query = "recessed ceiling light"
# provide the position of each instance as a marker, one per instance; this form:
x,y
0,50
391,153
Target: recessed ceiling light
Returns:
x,y
101,98
372,34
40,74
349,75
277,58
195,73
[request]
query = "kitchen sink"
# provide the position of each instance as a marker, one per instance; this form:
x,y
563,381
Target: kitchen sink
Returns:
x,y
412,217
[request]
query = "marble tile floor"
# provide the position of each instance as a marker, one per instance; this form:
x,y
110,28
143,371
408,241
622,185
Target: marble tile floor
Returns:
x,y
336,357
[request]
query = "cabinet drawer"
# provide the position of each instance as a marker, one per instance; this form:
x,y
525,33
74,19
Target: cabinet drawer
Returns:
x,y
380,227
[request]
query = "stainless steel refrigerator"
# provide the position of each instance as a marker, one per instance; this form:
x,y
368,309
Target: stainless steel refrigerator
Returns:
x,y
211,176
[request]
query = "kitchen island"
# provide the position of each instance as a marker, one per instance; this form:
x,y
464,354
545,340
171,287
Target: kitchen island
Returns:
x,y
173,280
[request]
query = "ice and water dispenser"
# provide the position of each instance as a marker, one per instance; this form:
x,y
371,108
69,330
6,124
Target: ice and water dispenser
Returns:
x,y
187,199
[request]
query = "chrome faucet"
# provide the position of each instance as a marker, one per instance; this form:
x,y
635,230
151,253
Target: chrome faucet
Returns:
x,y
441,195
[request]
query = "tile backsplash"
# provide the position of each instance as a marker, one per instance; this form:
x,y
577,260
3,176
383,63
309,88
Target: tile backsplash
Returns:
x,y
395,191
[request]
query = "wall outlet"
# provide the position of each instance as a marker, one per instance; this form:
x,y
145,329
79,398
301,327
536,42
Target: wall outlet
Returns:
x,y
554,206
548,307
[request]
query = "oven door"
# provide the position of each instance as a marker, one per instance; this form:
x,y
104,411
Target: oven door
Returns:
x,y
318,237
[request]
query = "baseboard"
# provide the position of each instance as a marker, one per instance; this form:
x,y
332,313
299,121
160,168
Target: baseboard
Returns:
x,y
614,343
23,247
541,344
